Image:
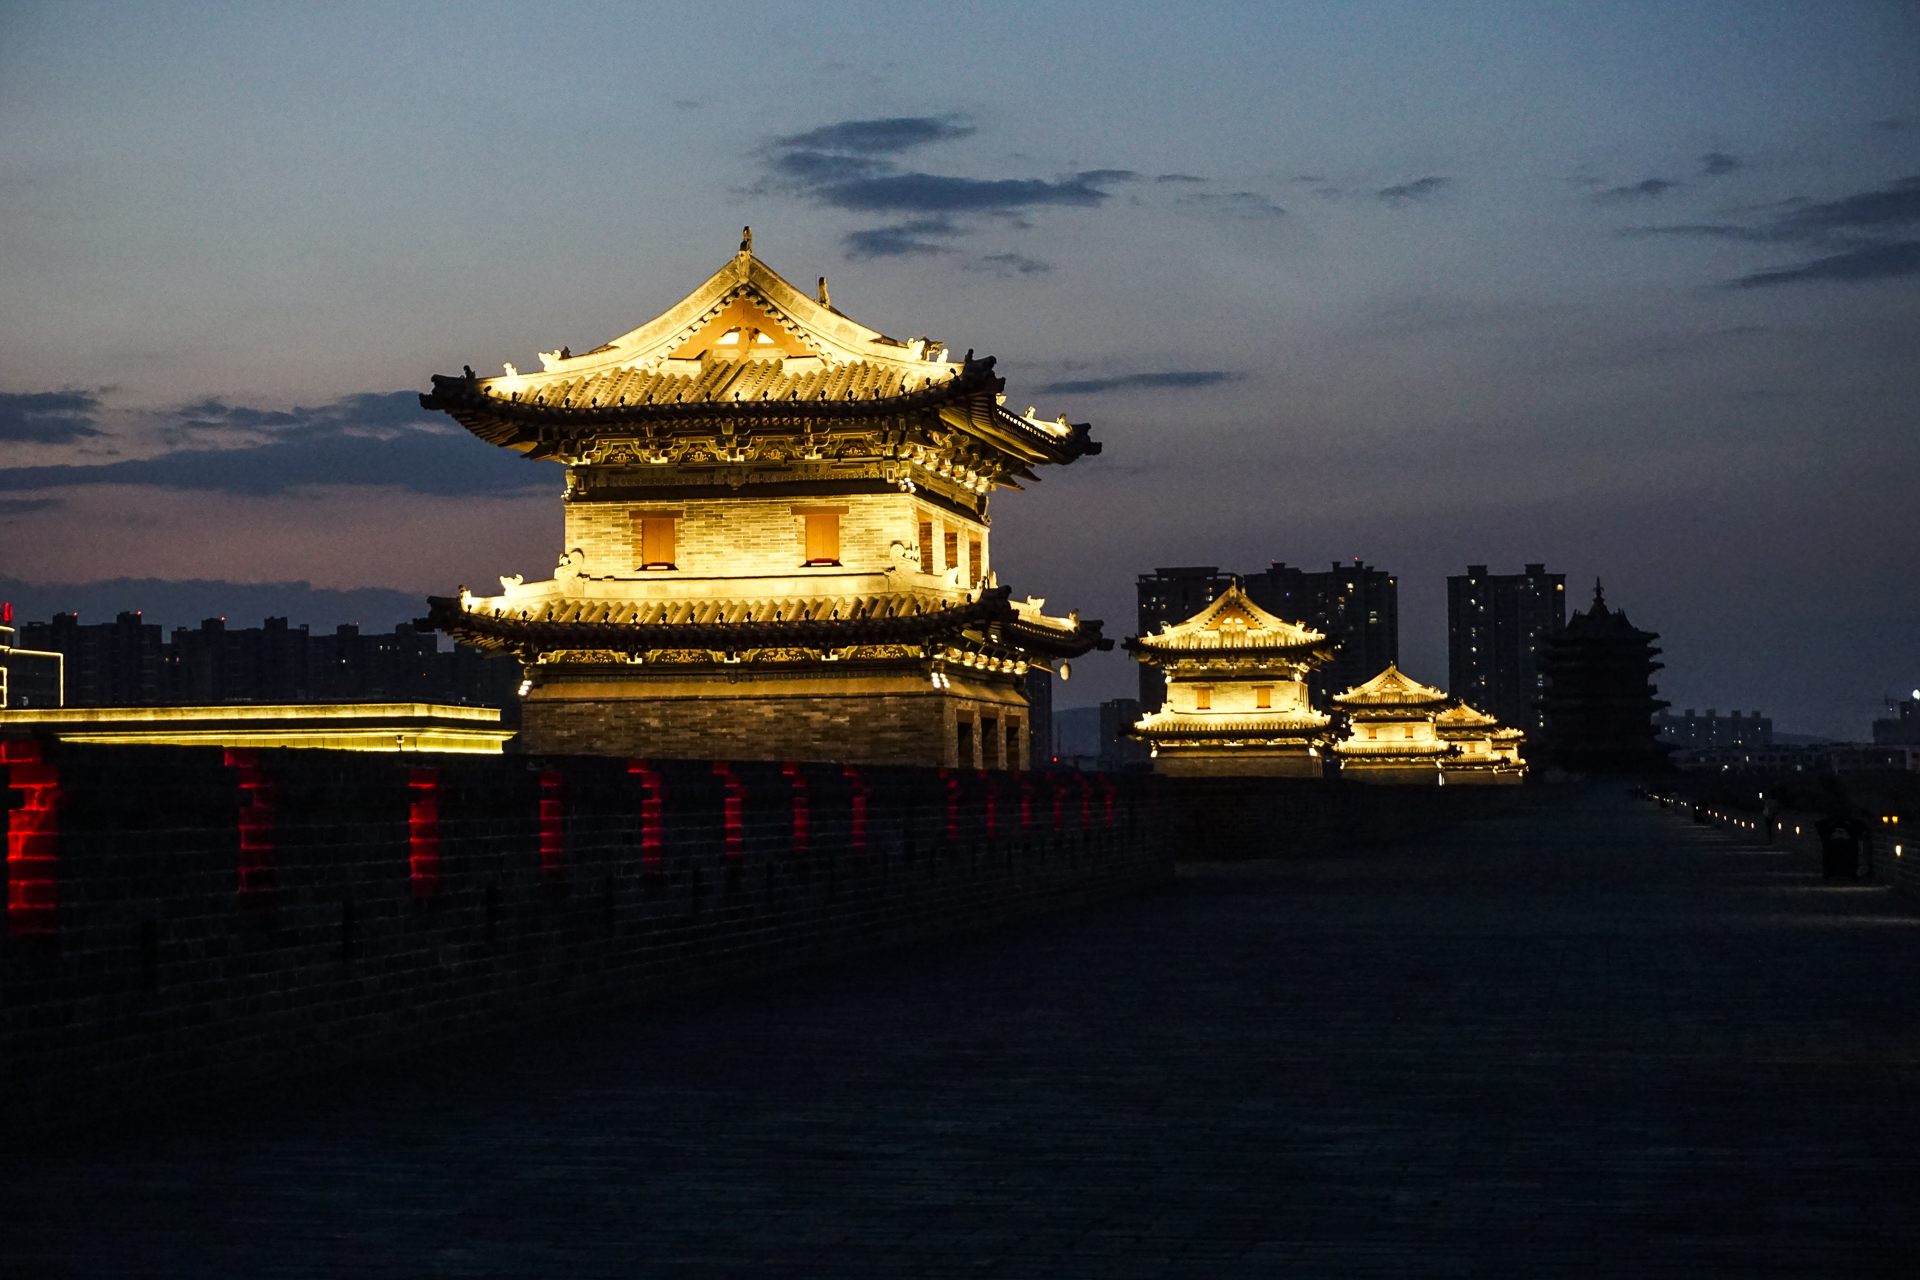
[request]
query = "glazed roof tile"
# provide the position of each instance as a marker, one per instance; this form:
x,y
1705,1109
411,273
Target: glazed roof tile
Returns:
x,y
1231,623
1391,688
1167,723
571,622
746,344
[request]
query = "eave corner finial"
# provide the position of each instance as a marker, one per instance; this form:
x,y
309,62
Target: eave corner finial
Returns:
x,y
746,239
1599,597
826,299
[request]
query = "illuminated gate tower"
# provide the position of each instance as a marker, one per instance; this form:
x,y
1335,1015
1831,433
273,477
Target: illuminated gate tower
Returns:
x,y
777,541
1236,698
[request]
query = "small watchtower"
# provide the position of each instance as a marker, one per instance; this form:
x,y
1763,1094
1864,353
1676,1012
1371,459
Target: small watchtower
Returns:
x,y
777,539
1236,693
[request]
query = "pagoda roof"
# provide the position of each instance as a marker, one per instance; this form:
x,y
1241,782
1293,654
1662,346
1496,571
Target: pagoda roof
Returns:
x,y
1231,624
1462,723
1462,716
1392,688
1602,623
746,346
572,622
1170,725
1361,749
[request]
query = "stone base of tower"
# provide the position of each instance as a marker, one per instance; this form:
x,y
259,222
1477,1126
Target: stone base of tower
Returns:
x,y
1238,763
864,718
1472,777
1397,774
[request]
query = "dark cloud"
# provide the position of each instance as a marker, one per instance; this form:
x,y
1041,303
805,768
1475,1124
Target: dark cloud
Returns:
x,y
1650,189
878,137
902,239
1419,189
1179,177
938,193
25,506
1869,212
367,439
1861,217
850,165
1010,264
1895,124
1236,204
47,417
821,168
1860,229
1173,380
1715,163
1877,262
1706,230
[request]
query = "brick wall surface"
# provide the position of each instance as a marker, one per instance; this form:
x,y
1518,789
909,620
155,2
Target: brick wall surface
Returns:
x,y
742,536
917,729
1227,818
199,915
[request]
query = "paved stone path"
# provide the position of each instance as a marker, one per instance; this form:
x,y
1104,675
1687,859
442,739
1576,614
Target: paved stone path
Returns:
x,y
1585,1039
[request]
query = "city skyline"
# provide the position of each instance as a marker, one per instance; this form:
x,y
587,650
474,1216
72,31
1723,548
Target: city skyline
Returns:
x,y
1629,295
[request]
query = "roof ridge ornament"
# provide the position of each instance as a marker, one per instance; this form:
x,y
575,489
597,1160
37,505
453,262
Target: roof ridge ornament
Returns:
x,y
746,240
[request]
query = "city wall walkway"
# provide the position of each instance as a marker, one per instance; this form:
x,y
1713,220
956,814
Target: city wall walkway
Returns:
x,y
1585,1038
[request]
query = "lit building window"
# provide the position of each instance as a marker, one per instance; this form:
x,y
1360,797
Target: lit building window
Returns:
x,y
953,549
653,540
926,546
973,562
1263,697
1203,698
821,536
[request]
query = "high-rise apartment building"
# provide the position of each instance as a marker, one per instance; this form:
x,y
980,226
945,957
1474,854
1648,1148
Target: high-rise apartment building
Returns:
x,y
1355,605
1714,729
125,663
108,664
1495,624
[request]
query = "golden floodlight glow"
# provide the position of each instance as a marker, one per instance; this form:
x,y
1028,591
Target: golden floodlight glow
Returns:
x,y
855,568
367,726
1236,697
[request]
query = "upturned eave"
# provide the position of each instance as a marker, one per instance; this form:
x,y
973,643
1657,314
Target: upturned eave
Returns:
x,y
989,619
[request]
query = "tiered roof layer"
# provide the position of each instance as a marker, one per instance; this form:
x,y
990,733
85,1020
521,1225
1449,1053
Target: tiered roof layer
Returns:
x,y
574,623
746,347
1232,626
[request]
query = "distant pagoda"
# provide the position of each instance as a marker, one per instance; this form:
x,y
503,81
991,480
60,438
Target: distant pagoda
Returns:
x,y
1391,732
777,540
1483,749
1236,699
1599,700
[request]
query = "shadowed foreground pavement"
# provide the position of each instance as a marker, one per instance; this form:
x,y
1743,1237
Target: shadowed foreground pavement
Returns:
x,y
1584,1039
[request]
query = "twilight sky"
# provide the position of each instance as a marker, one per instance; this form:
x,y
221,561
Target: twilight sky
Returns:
x,y
1632,289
